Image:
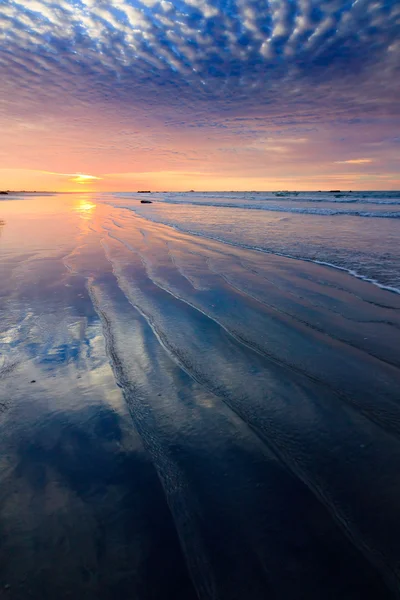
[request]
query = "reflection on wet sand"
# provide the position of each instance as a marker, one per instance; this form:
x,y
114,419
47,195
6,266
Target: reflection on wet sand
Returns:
x,y
85,515
181,419
84,207
82,510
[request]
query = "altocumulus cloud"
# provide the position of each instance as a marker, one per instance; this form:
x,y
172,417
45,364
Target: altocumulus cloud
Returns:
x,y
202,57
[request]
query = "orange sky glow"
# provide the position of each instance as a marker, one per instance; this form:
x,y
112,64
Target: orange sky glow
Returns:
x,y
31,180
199,95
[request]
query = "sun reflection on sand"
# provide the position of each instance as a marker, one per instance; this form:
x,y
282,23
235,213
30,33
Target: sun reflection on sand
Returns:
x,y
85,208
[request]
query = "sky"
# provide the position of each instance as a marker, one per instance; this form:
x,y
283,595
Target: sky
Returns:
x,y
113,95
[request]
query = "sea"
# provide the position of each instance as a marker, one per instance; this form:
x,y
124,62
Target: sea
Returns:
x,y
355,231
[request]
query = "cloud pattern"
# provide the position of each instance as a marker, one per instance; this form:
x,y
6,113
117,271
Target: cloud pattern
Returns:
x,y
185,52
248,87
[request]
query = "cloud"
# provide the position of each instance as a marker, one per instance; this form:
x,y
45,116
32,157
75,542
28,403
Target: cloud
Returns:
x,y
77,177
189,52
354,161
81,178
112,85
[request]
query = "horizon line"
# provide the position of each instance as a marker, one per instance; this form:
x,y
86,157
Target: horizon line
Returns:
x,y
7,191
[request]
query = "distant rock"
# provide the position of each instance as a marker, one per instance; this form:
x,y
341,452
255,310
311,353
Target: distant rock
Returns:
x,y
146,202
334,191
144,192
4,193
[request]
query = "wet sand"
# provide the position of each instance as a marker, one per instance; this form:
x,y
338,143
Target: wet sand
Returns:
x,y
181,418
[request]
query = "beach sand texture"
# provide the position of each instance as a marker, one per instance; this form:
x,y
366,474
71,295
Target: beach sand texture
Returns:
x,y
185,418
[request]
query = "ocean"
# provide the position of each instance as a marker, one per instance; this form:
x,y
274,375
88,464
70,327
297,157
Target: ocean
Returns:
x,y
355,231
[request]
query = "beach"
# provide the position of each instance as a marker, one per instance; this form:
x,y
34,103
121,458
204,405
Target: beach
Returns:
x,y
200,396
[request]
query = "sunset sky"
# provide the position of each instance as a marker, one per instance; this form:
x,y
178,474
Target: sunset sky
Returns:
x,y
204,94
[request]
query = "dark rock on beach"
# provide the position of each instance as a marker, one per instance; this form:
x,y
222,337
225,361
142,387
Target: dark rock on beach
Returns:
x,y
146,202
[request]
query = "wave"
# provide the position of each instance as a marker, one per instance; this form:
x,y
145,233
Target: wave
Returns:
x,y
350,270
355,273
293,209
342,199
244,199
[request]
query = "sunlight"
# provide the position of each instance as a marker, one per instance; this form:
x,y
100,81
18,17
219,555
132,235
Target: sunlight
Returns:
x,y
82,178
85,208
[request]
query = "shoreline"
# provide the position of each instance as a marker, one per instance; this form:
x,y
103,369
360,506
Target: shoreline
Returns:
x,y
349,271
183,406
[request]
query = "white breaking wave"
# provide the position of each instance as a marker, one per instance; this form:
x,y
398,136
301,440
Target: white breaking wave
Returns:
x,y
296,209
289,202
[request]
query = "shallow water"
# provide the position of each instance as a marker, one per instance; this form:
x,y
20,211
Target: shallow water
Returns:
x,y
183,418
357,232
